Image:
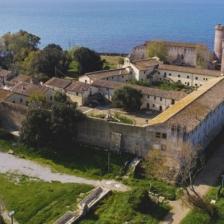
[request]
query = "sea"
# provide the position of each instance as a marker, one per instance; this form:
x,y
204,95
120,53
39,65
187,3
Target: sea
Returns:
x,y
112,26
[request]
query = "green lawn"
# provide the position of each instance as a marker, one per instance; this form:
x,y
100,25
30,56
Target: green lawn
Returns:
x,y
129,207
197,216
37,202
81,160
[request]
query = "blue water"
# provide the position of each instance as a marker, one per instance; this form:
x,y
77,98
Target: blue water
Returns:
x,y
112,25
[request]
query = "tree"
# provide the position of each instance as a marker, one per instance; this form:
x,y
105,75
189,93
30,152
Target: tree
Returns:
x,y
31,64
64,120
20,44
190,164
157,49
155,165
87,60
53,61
35,129
127,98
54,127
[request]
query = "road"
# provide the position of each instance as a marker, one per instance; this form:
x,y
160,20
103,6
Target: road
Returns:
x,y
13,164
203,182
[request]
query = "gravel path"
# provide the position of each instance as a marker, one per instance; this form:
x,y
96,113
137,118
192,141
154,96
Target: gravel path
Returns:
x,y
204,181
13,164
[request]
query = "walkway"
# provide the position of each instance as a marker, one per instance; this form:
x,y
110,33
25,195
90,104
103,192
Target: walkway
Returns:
x,y
204,181
13,164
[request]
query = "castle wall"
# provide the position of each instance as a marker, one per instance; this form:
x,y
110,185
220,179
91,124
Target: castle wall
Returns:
x,y
120,137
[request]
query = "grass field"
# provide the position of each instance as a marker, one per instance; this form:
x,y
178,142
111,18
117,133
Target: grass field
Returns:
x,y
111,61
38,202
197,216
129,207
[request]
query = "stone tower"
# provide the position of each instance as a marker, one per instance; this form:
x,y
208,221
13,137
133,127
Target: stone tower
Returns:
x,y
219,37
222,60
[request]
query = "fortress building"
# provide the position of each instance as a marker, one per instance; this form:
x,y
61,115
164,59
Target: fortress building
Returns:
x,y
193,118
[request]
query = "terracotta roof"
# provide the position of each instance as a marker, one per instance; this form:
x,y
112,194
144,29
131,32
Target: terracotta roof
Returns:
x,y
190,70
58,83
27,89
107,73
108,84
176,95
4,94
145,64
78,87
21,78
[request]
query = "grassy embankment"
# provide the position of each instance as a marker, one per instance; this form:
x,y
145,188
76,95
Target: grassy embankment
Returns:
x,y
198,216
36,201
130,207
87,162
91,163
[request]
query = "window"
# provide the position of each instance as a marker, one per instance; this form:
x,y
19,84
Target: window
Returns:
x,y
160,108
148,96
157,135
179,76
164,76
147,105
77,94
170,74
164,135
153,105
196,78
173,101
154,97
158,73
51,98
188,77
21,100
161,98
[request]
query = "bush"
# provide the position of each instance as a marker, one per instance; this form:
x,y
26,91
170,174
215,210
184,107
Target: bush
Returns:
x,y
127,98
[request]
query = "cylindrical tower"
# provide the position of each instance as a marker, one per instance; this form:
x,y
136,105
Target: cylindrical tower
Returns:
x,y
222,60
219,37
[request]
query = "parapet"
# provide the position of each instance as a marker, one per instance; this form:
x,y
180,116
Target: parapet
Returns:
x,y
219,27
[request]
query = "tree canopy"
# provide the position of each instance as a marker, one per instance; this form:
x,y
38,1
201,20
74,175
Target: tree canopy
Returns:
x,y
54,127
157,49
127,98
19,51
87,60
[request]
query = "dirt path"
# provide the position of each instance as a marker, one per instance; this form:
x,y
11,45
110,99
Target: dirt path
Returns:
x,y
13,164
204,181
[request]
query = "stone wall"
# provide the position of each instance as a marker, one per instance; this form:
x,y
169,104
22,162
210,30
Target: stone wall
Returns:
x,y
11,115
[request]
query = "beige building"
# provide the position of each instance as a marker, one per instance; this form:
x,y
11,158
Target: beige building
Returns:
x,y
153,98
21,93
179,53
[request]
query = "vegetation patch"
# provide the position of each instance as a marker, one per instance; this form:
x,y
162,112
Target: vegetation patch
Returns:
x,y
36,201
131,207
112,62
198,216
79,160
